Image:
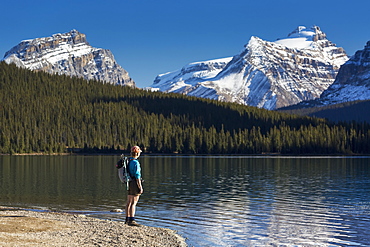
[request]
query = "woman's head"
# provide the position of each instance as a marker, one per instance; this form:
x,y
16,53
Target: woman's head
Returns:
x,y
135,151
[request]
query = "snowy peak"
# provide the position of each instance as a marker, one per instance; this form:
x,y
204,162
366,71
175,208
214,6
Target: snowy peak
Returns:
x,y
70,54
303,38
302,31
190,76
35,52
312,34
265,74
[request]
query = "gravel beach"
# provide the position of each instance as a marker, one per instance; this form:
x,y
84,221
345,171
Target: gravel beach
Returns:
x,y
19,227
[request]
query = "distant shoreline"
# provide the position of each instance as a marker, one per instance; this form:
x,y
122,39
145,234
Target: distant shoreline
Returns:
x,y
188,155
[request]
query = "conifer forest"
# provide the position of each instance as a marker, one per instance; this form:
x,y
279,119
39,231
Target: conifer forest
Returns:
x,y
44,113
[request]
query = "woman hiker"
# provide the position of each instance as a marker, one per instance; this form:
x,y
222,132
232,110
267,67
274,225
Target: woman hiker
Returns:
x,y
135,186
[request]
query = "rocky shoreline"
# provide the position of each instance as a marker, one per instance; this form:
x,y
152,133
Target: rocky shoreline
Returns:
x,y
20,227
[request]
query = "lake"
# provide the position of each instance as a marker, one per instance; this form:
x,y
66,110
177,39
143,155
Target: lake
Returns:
x,y
210,200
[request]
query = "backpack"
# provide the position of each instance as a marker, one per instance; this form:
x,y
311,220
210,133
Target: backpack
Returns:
x,y
123,172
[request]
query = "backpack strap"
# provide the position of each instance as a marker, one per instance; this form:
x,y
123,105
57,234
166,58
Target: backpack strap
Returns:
x,y
128,167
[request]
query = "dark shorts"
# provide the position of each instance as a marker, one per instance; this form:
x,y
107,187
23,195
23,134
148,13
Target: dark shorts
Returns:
x,y
133,188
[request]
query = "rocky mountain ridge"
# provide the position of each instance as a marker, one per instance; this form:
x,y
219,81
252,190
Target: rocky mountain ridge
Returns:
x,y
69,54
265,74
352,83
353,80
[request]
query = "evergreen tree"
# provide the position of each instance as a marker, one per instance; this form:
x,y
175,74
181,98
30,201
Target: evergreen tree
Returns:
x,y
40,112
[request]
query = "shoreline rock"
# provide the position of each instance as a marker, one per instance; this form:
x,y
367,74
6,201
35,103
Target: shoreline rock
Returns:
x,y
21,227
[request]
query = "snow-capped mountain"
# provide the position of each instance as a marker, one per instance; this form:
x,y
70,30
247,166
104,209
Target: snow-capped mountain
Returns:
x,y
187,79
69,54
352,82
265,74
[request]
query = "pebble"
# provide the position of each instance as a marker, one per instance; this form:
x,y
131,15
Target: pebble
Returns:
x,y
117,210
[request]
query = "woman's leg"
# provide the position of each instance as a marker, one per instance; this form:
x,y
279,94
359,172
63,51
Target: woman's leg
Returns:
x,y
131,205
130,210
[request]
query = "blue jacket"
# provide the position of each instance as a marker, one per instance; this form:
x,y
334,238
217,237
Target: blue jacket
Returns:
x,y
134,168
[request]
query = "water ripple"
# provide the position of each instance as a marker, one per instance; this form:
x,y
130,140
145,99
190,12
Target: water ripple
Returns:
x,y
211,201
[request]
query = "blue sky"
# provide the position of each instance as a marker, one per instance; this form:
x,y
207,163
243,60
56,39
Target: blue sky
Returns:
x,y
151,37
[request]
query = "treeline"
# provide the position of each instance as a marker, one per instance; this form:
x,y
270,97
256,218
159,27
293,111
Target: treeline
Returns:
x,y
40,112
343,112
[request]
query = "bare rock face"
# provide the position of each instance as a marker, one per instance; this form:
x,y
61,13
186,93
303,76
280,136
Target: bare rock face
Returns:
x,y
357,69
353,80
265,74
69,54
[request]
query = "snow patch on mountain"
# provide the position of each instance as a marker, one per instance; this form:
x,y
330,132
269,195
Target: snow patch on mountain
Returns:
x,y
301,38
189,76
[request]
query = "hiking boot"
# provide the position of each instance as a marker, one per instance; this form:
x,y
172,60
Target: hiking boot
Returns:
x,y
132,223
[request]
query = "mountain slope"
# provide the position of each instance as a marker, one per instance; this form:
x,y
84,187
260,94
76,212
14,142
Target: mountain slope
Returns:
x,y
69,54
73,114
341,112
353,80
348,97
265,74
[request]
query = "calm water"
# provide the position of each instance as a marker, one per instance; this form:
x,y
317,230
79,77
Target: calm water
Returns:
x,y
211,201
